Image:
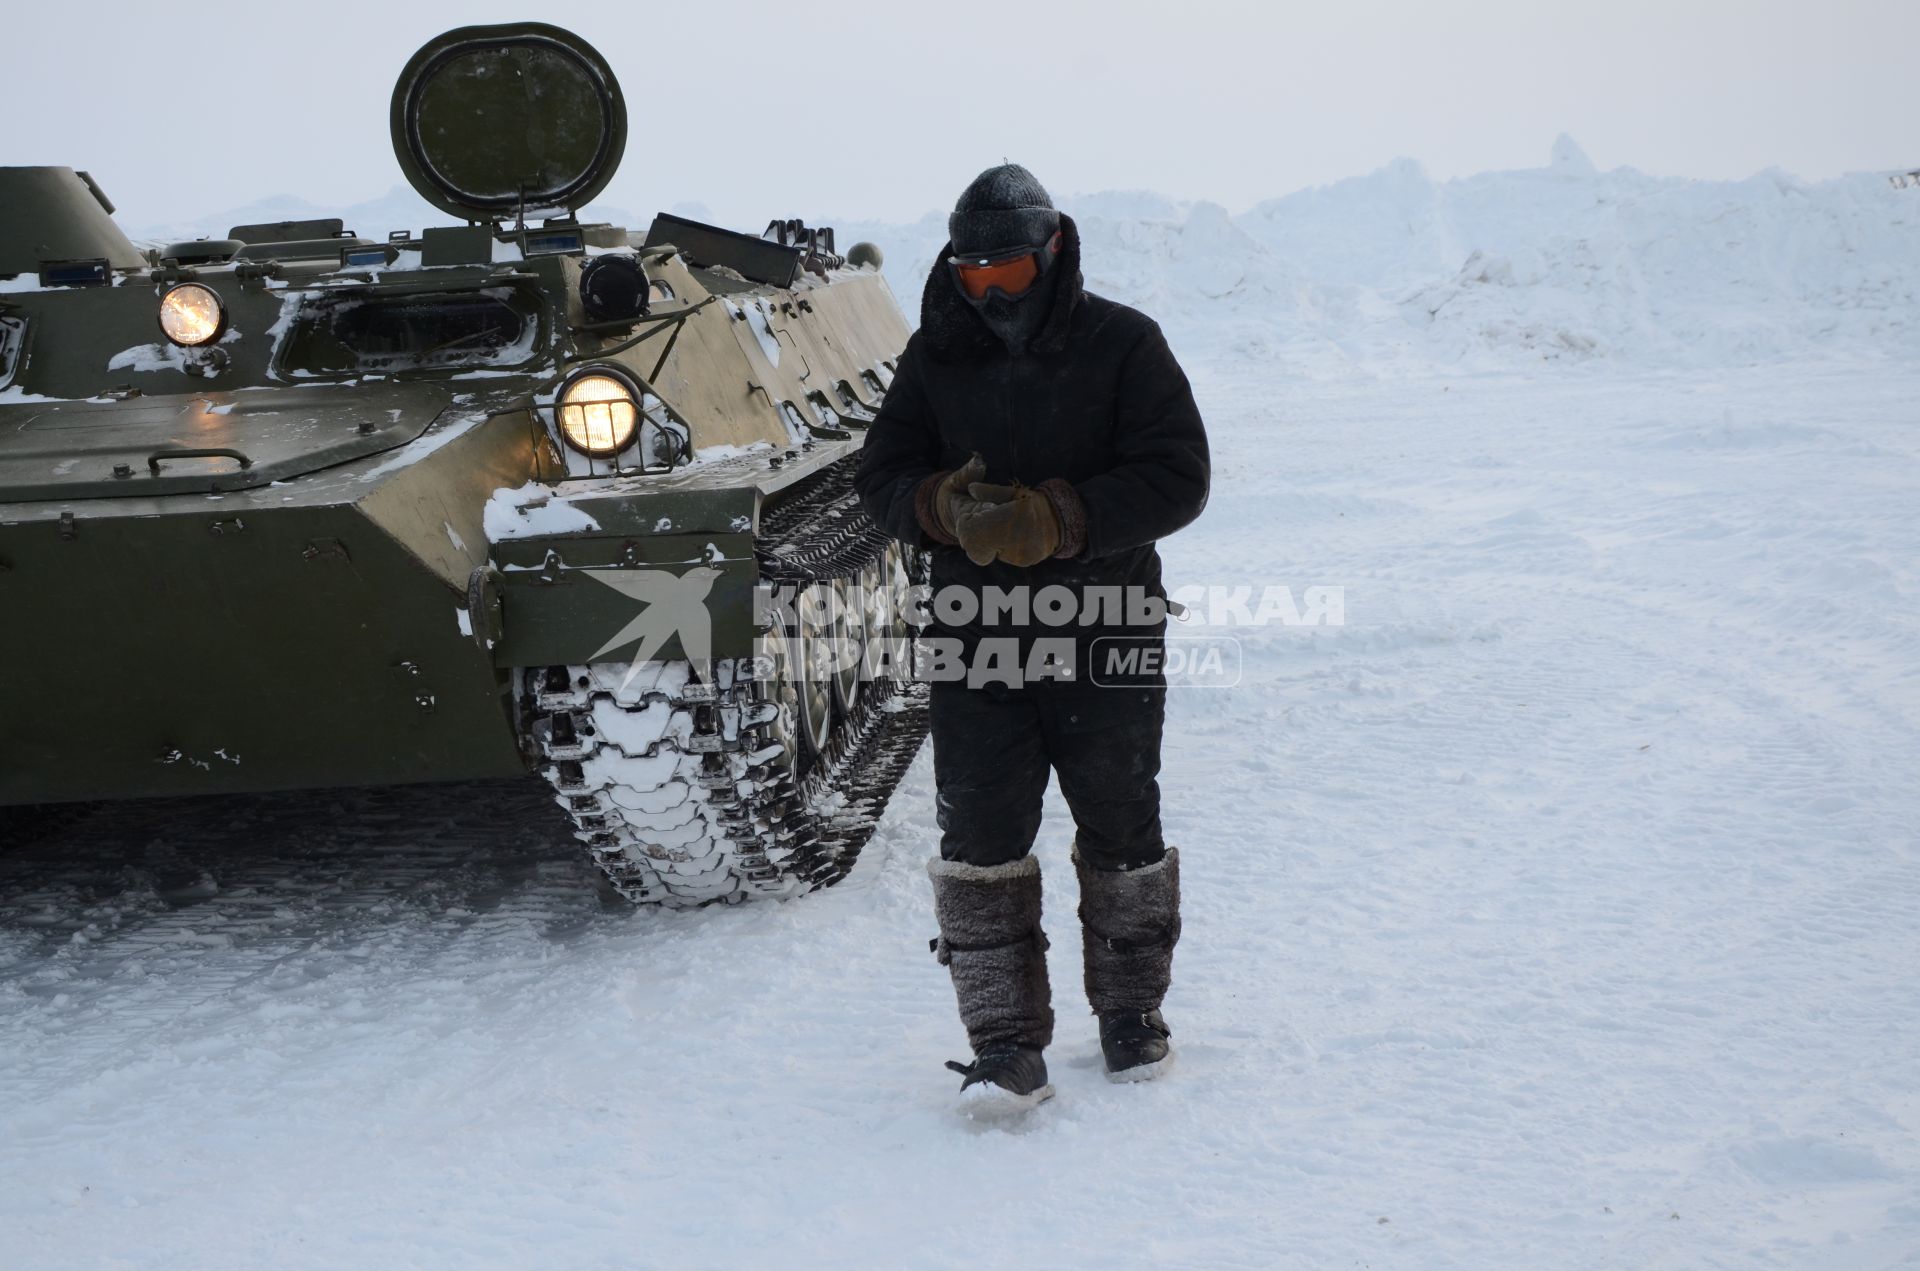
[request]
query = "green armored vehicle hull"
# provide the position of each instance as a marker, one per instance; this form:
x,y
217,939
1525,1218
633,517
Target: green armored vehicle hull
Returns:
x,y
519,495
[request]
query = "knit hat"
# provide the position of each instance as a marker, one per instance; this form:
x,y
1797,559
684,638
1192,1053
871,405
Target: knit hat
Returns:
x,y
1004,207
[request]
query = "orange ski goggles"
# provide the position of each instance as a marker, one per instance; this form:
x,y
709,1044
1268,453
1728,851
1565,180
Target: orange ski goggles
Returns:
x,y
1012,271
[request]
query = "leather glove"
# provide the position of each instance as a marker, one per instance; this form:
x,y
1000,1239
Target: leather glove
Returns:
x,y
952,494
1016,524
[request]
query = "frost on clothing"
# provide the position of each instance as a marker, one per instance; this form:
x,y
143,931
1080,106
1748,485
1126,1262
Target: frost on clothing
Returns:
x,y
1006,208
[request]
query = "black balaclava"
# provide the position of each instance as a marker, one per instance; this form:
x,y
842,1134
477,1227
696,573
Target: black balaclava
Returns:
x,y
1007,207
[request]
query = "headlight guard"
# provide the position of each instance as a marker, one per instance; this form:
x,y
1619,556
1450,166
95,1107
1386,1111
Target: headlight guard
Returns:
x,y
597,409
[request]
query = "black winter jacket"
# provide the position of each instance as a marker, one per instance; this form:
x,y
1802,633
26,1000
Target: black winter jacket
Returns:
x,y
1098,402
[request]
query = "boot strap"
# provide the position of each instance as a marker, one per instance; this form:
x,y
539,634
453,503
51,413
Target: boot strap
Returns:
x,y
1114,944
944,949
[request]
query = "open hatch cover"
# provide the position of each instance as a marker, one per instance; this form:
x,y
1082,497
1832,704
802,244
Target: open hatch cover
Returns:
x,y
493,121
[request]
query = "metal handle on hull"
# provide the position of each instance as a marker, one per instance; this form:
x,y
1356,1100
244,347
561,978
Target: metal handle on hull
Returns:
x,y
197,452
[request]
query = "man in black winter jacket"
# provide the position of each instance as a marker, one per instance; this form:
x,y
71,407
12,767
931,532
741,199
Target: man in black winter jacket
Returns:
x,y
1039,439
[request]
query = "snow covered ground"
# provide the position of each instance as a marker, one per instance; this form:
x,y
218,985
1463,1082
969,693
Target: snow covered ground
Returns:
x,y
1561,909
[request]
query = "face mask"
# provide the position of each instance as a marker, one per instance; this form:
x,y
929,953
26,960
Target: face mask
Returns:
x,y
1010,288
1017,319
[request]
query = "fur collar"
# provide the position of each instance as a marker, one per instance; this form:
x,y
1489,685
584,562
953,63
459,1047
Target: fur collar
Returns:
x,y
955,332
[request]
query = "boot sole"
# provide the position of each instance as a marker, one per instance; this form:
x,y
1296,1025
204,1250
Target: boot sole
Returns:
x,y
1141,1072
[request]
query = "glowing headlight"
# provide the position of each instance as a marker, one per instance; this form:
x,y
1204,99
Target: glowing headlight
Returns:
x,y
192,315
598,415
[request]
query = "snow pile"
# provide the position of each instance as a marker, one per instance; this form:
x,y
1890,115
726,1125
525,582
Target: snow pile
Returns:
x,y
1560,263
533,510
157,356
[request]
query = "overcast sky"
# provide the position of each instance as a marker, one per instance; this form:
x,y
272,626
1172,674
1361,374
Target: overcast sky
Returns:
x,y
885,110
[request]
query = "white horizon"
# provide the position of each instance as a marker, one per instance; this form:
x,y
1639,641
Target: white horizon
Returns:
x,y
212,221
873,109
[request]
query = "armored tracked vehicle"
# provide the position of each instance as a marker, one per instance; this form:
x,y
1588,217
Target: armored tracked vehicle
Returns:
x,y
516,495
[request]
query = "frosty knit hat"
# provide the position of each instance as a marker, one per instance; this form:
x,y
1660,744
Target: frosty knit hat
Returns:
x,y
1004,207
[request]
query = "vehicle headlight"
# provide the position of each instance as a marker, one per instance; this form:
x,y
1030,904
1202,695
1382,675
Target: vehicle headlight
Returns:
x,y
598,414
192,315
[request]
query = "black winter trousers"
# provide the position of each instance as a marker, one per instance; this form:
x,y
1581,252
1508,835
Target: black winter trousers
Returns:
x,y
994,746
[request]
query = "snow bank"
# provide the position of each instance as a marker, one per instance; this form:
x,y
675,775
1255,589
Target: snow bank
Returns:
x,y
1563,263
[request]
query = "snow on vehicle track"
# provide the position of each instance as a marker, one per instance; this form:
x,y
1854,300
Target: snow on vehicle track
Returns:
x,y
1559,910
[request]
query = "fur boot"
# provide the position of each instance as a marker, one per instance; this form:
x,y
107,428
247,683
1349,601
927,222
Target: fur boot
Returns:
x,y
990,940
1129,922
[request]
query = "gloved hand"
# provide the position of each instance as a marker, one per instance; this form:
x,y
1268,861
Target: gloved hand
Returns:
x,y
1013,523
951,495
